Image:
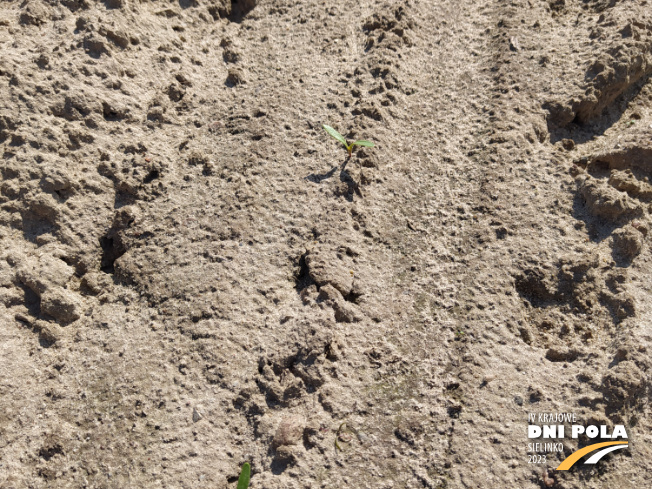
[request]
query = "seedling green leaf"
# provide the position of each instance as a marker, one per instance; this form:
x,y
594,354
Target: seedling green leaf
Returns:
x,y
245,475
362,142
336,135
342,139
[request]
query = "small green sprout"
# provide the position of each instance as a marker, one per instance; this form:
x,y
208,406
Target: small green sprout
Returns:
x,y
245,475
341,139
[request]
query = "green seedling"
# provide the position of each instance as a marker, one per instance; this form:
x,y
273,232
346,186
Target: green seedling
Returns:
x,y
245,475
342,139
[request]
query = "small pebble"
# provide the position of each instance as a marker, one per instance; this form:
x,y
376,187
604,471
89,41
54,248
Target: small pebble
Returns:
x,y
196,416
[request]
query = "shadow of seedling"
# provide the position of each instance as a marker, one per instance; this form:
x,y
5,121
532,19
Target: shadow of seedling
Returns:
x,y
320,177
346,178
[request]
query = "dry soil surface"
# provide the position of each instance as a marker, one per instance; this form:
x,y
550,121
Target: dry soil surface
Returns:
x,y
193,274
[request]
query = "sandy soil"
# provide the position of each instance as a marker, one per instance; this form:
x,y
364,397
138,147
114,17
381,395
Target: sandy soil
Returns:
x,y
193,275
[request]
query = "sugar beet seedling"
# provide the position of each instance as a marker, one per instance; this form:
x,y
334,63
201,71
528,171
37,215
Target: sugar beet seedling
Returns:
x,y
342,139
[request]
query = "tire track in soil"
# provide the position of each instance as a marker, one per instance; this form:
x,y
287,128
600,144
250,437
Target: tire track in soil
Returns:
x,y
511,130
437,232
550,217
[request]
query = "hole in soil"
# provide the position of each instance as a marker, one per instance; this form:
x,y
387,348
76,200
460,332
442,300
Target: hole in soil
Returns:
x,y
111,251
535,397
279,465
152,175
106,264
352,297
454,411
303,278
32,301
48,453
240,8
599,168
110,114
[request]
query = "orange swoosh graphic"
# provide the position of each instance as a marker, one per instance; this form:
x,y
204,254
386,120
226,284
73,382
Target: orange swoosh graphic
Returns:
x,y
575,456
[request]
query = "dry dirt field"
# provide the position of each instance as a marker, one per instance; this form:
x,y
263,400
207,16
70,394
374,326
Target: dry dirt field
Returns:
x,y
193,274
